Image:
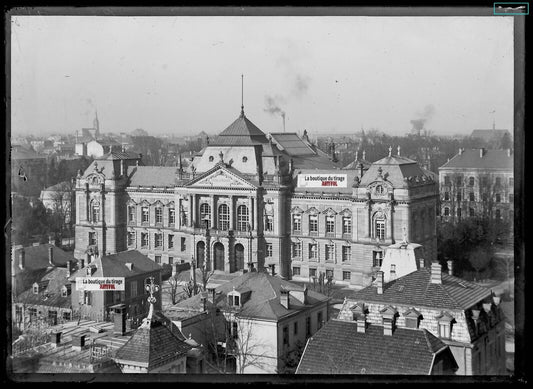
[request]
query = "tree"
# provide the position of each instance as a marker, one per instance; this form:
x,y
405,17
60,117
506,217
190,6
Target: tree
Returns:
x,y
291,358
61,217
480,260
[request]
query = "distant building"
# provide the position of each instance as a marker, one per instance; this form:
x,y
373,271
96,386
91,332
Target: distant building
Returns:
x,y
99,147
463,315
491,137
59,198
353,346
263,318
477,183
136,269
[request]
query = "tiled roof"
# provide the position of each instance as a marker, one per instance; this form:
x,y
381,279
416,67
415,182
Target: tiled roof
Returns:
x,y
418,291
242,126
55,278
159,176
114,155
264,299
337,348
151,346
114,265
313,162
292,144
354,165
492,159
36,257
394,169
20,154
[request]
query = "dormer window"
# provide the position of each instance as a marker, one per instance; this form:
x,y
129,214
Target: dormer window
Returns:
x,y
379,190
65,291
234,300
445,323
35,288
412,318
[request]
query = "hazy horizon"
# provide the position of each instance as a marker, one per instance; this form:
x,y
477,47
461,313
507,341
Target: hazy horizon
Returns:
x,y
182,75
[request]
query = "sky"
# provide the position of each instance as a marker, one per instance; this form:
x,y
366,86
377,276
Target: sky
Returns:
x,y
326,74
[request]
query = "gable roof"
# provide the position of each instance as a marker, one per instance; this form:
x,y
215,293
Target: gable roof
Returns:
x,y
264,299
452,293
151,346
114,265
51,282
36,257
338,348
224,167
492,159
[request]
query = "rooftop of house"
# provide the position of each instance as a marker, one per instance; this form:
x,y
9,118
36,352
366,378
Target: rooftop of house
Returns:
x,y
263,297
338,348
481,159
242,132
417,289
50,289
489,135
37,257
116,265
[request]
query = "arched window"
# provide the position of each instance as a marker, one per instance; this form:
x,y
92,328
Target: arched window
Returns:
x,y
243,218
471,181
446,196
205,215
380,228
95,211
446,211
223,217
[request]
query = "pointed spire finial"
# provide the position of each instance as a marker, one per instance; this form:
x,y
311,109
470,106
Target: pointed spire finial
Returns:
x,y
242,94
151,288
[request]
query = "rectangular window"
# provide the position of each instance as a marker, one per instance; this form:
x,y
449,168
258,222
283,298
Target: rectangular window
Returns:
x,y
472,197
295,332
459,212
183,244
330,224
158,259
131,214
32,312
158,240
133,288
286,335
346,253
446,180
346,225
446,196
380,229
297,250
18,314
329,274
498,181
159,215
296,271
144,239
170,241
313,224
92,238
330,252
313,251
346,275
307,327
66,316
459,197
87,297
312,272
269,223
171,217
459,180
145,215
377,258
170,260
52,317
297,223
131,238
444,330
269,249
471,212
234,330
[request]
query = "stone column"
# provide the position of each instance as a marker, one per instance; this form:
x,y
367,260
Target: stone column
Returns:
x,y
232,212
190,211
256,213
178,208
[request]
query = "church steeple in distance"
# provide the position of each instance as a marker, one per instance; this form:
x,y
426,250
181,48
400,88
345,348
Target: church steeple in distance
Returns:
x,y
96,123
242,95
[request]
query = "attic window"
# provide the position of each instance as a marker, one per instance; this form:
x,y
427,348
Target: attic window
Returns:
x,y
35,288
233,300
244,159
211,158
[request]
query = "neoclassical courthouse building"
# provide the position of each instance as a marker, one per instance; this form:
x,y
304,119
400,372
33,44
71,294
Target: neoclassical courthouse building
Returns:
x,y
251,202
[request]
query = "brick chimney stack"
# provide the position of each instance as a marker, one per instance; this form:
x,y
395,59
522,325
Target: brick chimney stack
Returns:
x,y
481,152
379,282
284,298
436,276
422,263
22,259
450,267
361,324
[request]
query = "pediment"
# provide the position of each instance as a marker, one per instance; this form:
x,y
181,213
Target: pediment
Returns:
x,y
346,212
157,203
131,202
329,212
221,178
297,210
312,211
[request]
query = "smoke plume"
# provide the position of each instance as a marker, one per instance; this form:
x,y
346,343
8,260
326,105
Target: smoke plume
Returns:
x,y
422,118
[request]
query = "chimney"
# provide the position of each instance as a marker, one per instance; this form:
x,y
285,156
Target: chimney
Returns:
x,y
421,262
460,151
361,324
496,300
508,152
211,295
78,342
56,339
119,319
129,265
51,240
450,267
69,267
379,282
361,170
122,170
203,299
51,256
22,259
481,152
487,306
387,327
284,298
436,276
82,263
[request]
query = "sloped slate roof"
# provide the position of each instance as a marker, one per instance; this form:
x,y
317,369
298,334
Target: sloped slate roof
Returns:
x,y
152,346
56,278
339,349
452,293
263,301
114,155
292,144
114,265
36,257
158,176
394,169
492,159
242,126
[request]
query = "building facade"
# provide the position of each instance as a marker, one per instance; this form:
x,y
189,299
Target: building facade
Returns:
x,y
239,205
477,183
